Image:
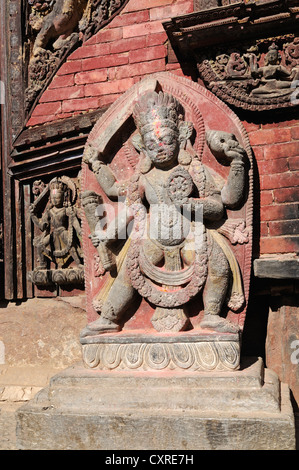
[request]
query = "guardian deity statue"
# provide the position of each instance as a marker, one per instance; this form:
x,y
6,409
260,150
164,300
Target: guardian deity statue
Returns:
x,y
176,251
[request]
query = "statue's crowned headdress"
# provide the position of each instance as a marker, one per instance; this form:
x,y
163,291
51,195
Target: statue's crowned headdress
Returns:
x,y
273,48
154,110
58,184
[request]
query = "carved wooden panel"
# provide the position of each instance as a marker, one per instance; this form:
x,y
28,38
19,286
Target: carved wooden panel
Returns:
x,y
55,213
54,30
246,53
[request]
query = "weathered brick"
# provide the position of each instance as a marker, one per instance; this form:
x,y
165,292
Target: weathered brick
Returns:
x,y
179,72
142,29
46,109
72,66
111,60
266,198
270,167
284,180
174,66
147,54
279,245
280,212
294,163
156,38
125,45
62,81
35,121
127,19
137,5
58,94
264,229
108,88
269,136
107,100
286,195
285,227
91,76
250,126
289,149
295,133
169,11
258,153
141,69
92,50
109,35
82,104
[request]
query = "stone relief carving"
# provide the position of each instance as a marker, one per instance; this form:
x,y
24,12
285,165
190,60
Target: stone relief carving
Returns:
x,y
163,260
55,28
256,76
161,355
56,214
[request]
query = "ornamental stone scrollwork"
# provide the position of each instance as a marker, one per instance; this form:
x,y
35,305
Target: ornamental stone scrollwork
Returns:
x,y
56,215
256,76
156,354
55,28
180,235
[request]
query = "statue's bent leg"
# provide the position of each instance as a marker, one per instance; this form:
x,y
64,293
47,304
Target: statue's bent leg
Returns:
x,y
40,248
119,298
215,292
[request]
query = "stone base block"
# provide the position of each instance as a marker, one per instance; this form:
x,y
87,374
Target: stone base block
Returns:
x,y
87,409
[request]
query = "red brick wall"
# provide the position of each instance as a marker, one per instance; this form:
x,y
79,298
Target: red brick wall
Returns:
x,y
134,45
276,149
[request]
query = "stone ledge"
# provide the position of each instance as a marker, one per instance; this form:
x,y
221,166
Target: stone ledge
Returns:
x,y
276,269
250,389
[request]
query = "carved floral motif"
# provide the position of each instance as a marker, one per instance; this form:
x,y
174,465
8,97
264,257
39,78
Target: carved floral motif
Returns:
x,y
179,356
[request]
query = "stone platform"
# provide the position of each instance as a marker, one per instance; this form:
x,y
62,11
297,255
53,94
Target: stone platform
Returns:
x,y
90,409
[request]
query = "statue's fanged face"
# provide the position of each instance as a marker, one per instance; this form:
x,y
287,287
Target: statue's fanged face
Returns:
x,y
161,144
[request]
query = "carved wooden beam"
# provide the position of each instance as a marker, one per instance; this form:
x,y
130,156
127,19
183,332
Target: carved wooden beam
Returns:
x,y
246,53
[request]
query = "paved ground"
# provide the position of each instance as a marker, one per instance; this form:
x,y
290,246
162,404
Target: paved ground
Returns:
x,y
38,338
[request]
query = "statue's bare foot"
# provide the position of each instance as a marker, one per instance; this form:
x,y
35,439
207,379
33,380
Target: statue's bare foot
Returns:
x,y
216,323
99,326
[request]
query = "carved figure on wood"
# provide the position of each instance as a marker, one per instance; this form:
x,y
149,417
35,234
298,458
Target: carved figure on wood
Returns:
x,y
256,75
58,25
273,77
59,223
56,28
165,261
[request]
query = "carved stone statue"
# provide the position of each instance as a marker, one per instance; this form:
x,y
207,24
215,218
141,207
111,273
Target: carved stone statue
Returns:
x,y
59,242
172,255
